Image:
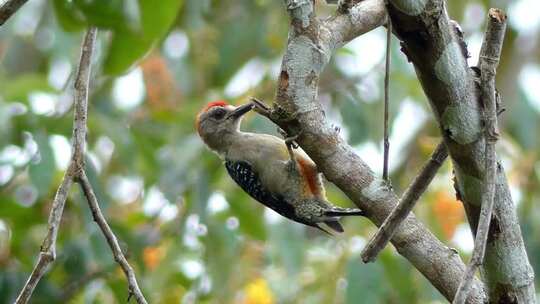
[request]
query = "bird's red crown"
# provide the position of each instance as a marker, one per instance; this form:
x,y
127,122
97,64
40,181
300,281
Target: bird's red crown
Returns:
x,y
217,103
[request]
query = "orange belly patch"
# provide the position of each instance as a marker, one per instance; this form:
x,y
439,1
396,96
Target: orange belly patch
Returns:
x,y
310,174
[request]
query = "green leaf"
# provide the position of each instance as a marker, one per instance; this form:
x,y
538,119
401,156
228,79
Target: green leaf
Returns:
x,y
69,18
77,14
108,14
42,173
128,46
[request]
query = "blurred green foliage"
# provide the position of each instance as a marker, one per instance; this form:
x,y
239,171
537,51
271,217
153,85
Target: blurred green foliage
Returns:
x,y
191,234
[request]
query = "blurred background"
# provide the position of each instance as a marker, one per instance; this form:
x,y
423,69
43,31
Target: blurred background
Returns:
x,y
191,234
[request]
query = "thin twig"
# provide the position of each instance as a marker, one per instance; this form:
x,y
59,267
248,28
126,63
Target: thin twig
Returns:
x,y
48,248
9,8
76,172
386,96
47,252
405,205
81,84
111,238
488,62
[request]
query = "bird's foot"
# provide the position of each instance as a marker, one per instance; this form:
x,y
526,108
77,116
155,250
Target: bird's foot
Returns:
x,y
290,141
291,144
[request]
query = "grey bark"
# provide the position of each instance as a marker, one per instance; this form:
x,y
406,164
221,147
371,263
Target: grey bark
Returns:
x,y
386,141
47,252
407,202
9,8
429,42
134,290
489,59
311,43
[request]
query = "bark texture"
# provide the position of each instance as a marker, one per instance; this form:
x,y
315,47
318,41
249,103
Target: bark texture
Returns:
x,y
429,41
407,202
9,8
311,43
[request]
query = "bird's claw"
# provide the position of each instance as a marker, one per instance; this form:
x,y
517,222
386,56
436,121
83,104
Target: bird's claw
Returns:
x,y
292,144
290,141
282,133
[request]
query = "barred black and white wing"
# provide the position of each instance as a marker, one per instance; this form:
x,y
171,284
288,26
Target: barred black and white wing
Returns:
x,y
244,175
309,212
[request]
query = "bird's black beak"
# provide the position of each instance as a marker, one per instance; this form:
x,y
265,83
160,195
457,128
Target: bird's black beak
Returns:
x,y
241,110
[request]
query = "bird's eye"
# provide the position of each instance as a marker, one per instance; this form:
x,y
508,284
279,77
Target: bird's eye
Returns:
x,y
218,113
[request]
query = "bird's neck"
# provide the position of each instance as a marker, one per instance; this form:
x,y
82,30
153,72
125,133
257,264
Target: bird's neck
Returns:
x,y
224,142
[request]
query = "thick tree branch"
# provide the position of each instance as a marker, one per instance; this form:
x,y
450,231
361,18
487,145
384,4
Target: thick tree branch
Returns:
x,y
405,205
75,172
310,45
9,8
430,43
489,60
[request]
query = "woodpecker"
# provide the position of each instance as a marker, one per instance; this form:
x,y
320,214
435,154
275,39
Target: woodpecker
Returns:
x,y
268,169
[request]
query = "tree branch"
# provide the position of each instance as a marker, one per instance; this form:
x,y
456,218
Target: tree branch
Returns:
x,y
431,44
111,239
490,54
47,252
310,45
9,8
386,142
76,172
392,223
358,19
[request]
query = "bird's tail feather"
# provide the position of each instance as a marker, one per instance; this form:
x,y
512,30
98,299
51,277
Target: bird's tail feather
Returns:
x,y
344,212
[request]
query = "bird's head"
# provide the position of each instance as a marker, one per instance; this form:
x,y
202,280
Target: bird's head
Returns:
x,y
218,120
